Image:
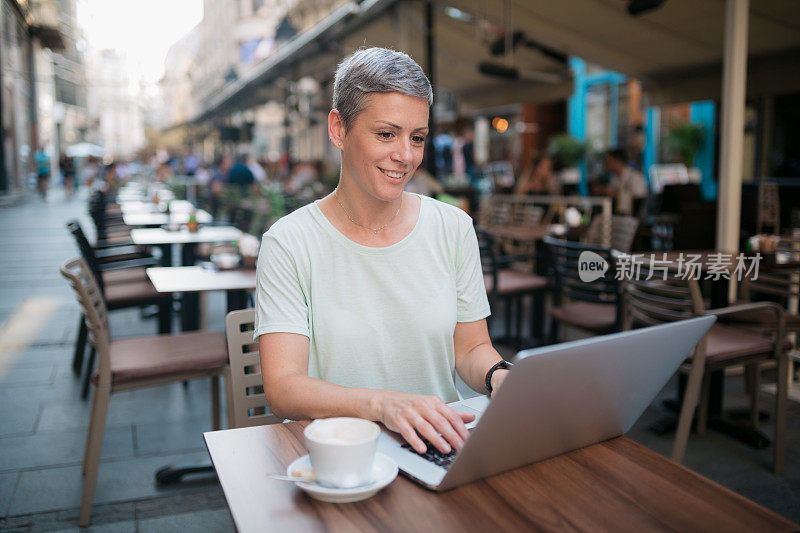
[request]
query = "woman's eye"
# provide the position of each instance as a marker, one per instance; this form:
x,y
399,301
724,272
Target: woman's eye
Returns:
x,y
385,134
418,139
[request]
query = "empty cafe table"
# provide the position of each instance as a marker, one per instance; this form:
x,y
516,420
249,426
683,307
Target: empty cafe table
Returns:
x,y
165,239
616,485
195,279
155,218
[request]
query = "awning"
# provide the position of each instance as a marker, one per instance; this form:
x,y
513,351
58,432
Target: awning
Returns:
x,y
299,57
461,46
675,50
400,25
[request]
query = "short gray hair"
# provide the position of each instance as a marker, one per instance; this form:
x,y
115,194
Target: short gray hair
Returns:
x,y
376,70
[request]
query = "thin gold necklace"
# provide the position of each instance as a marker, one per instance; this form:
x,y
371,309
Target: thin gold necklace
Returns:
x,y
374,230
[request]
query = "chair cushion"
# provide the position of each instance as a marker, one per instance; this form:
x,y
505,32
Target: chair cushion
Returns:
x,y
141,358
600,318
764,317
514,282
124,275
133,293
726,344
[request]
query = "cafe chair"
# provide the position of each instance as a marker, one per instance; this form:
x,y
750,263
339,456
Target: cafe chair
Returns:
x,y
591,306
123,284
505,282
668,298
134,363
108,221
246,402
623,231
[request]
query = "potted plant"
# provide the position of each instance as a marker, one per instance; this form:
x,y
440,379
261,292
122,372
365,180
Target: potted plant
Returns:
x,y
567,153
683,142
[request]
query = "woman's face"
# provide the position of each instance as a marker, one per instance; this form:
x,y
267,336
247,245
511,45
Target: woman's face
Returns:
x,y
385,143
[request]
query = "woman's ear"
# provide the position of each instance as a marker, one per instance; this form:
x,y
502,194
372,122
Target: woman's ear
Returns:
x,y
336,130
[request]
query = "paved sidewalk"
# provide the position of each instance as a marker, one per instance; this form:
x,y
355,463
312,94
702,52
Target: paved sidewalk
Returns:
x,y
43,421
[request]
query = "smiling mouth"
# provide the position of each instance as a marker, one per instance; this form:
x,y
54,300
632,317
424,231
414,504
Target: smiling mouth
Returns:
x,y
392,174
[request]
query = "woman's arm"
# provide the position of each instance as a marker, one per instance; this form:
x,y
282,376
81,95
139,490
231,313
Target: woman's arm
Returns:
x,y
291,393
475,355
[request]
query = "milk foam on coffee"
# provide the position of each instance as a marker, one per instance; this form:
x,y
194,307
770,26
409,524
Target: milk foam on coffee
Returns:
x,y
338,431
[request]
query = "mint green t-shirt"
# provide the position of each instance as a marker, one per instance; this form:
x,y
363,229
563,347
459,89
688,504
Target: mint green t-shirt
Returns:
x,y
379,318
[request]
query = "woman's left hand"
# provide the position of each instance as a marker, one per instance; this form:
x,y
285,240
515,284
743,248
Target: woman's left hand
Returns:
x,y
498,377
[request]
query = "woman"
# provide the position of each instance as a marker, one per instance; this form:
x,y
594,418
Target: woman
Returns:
x,y
538,177
369,300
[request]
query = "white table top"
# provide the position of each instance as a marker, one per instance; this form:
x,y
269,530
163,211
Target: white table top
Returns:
x,y
141,206
144,218
205,234
199,279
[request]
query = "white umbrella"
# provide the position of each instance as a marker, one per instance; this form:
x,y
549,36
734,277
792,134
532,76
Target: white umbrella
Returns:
x,y
85,150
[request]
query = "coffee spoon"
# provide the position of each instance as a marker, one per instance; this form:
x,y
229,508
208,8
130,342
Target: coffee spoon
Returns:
x,y
292,478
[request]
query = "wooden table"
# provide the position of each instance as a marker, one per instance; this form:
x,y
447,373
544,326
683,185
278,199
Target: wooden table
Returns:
x,y
616,485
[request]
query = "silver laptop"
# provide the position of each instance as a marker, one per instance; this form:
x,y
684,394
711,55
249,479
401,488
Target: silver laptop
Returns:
x,y
556,399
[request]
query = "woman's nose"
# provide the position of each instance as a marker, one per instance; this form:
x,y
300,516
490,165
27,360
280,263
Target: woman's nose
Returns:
x,y
403,153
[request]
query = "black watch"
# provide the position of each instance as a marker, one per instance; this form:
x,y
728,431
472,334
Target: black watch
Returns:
x,y
501,364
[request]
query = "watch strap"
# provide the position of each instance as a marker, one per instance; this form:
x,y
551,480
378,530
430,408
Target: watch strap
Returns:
x,y
500,364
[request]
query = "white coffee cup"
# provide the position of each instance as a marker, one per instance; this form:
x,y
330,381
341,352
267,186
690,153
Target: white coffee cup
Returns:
x,y
342,450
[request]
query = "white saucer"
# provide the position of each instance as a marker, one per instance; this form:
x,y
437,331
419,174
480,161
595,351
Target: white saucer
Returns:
x,y
384,470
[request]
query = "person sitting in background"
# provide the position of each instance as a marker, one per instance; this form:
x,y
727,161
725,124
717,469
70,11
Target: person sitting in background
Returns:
x,y
255,167
109,181
242,176
538,178
627,184
163,173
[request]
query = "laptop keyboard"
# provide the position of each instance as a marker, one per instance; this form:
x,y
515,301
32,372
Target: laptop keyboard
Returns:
x,y
433,454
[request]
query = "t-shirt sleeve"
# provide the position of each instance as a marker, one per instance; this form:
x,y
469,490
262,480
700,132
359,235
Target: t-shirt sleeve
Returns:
x,y
473,304
281,304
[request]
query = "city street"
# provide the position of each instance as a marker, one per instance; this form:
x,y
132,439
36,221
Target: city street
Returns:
x,y
43,421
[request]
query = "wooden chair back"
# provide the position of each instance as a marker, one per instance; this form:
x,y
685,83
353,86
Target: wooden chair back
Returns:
x,y
93,308
497,210
783,284
623,231
526,213
247,404
563,259
661,299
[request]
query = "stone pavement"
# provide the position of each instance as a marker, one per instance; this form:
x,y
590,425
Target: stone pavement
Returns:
x,y
43,421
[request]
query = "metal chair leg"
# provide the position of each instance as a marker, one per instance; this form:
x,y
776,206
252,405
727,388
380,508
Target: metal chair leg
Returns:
x,y
80,348
88,376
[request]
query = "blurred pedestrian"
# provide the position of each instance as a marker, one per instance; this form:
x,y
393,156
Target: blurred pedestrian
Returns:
x,y
42,161
67,165
89,171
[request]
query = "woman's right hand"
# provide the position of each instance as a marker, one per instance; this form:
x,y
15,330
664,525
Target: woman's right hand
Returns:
x,y
415,416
